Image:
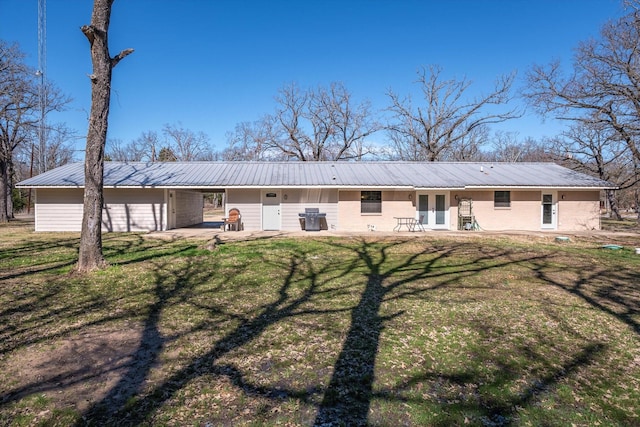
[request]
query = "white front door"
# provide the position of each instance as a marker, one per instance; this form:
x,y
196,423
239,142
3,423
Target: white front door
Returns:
x,y
271,210
549,210
433,209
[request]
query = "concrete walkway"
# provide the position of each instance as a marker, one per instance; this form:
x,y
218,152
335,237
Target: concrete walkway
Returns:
x,y
212,231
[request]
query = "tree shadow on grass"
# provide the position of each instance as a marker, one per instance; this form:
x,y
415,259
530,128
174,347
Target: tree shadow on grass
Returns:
x,y
247,329
613,291
467,397
346,399
348,396
56,256
37,257
46,310
171,286
33,306
387,274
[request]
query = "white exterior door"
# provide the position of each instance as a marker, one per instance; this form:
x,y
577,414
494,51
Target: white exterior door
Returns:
x,y
271,210
433,209
171,210
549,210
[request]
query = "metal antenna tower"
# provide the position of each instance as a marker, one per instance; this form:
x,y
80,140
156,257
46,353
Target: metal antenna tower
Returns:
x,y
42,73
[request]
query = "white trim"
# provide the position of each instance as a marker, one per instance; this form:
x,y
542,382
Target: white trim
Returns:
x,y
36,206
440,188
165,220
269,207
338,187
35,187
171,209
554,211
431,213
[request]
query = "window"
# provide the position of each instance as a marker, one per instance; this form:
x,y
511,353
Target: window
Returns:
x,y
371,202
502,199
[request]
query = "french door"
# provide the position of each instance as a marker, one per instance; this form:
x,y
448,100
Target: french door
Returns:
x,y
433,210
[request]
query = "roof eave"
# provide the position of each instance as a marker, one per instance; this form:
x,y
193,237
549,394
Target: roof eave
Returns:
x,y
39,186
535,187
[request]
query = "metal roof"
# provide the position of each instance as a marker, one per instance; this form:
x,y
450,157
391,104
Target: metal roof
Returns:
x,y
418,175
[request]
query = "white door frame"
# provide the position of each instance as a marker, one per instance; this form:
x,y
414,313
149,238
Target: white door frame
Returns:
x,y
432,217
271,218
550,209
171,209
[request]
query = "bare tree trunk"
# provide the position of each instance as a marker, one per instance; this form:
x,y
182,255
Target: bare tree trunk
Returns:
x,y
10,178
4,192
90,255
613,205
636,196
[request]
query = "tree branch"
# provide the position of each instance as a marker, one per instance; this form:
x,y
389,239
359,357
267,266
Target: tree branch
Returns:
x,y
89,32
119,57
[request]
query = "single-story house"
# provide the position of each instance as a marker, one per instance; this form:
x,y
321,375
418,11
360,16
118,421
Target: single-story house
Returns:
x,y
352,196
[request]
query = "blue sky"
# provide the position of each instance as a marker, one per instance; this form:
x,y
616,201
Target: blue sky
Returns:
x,y
211,64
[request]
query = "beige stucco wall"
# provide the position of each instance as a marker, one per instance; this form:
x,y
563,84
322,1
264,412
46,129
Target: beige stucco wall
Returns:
x,y
579,210
394,204
524,213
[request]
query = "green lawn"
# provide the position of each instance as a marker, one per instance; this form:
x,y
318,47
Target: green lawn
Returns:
x,y
383,331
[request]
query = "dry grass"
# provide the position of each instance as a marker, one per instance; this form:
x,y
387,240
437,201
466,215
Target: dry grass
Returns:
x,y
320,331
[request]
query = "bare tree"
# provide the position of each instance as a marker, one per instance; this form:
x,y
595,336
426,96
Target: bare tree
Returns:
x,y
146,146
117,151
311,125
469,147
186,144
602,91
140,149
432,131
596,149
508,147
403,148
294,140
90,254
20,115
250,141
59,146
604,86
345,124
182,144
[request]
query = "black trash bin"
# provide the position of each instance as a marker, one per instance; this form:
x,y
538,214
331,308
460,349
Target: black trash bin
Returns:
x,y
312,219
